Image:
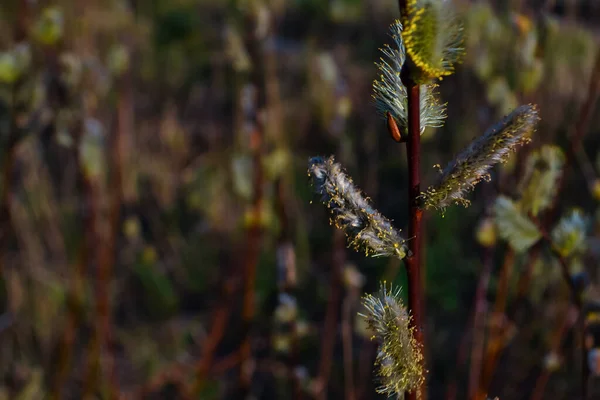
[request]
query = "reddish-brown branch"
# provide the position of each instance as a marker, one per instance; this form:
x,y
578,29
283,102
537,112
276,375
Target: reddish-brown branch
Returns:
x,y
251,262
478,335
413,261
76,294
286,275
496,327
101,358
217,331
178,373
568,321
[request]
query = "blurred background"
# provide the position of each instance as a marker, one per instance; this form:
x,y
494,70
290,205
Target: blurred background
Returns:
x,y
158,237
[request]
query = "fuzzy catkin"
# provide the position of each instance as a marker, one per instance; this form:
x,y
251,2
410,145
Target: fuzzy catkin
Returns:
x,y
569,236
390,94
473,163
433,37
399,357
365,227
514,226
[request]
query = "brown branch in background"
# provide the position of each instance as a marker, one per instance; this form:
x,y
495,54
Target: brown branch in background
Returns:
x,y
347,307
461,359
251,111
479,320
7,173
23,15
217,331
178,373
365,367
568,321
255,116
101,357
585,115
252,254
76,294
496,328
413,261
286,282
525,279
90,382
329,333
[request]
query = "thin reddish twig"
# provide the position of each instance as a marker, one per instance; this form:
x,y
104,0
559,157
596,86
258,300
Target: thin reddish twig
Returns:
x,y
568,321
413,261
494,345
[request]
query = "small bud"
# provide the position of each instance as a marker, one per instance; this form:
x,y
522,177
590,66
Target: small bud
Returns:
x,y
118,60
569,236
552,361
9,69
540,180
49,28
287,309
352,277
595,189
486,233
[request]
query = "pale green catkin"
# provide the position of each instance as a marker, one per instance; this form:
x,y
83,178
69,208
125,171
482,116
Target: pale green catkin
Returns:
x,y
540,181
569,236
514,225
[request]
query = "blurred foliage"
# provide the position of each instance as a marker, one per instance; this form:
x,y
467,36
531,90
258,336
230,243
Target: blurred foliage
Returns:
x,y
181,80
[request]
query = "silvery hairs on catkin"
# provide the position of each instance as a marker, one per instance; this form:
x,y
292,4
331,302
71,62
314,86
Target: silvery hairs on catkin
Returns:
x,y
473,164
390,94
365,227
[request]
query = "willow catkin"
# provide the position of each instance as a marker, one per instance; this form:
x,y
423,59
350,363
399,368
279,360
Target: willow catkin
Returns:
x,y
365,227
472,165
399,356
390,94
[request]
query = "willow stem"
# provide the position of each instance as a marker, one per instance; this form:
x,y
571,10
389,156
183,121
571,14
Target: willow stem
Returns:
x,y
413,262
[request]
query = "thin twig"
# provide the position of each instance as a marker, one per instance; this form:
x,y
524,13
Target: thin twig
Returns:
x,y
496,326
478,335
568,321
330,324
286,265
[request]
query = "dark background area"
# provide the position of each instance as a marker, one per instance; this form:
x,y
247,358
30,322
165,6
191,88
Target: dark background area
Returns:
x,y
131,132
